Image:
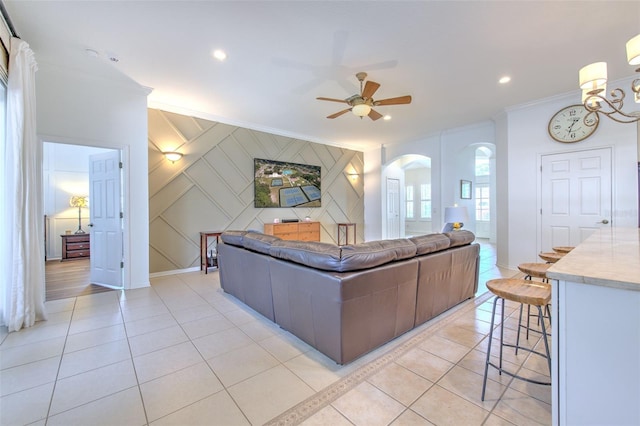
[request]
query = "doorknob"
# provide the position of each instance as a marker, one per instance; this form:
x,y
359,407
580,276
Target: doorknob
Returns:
x,y
91,225
605,221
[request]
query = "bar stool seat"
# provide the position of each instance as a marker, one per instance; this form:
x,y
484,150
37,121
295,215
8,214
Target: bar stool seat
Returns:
x,y
551,257
533,270
533,293
562,249
536,269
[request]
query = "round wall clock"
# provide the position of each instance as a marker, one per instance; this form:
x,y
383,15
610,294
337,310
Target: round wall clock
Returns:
x,y
573,124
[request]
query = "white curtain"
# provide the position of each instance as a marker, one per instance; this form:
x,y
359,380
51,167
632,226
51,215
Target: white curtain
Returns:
x,y
22,256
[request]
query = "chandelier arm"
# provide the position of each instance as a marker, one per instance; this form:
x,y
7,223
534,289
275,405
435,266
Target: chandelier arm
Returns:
x,y
611,108
591,119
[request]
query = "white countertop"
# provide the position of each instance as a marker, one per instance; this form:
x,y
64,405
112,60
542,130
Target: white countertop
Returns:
x,y
610,258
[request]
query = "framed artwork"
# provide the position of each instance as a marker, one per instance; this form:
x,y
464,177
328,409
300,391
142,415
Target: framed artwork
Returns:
x,y
285,184
465,189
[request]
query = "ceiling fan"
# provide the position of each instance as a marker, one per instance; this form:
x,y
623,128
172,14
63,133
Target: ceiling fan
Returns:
x,y
363,103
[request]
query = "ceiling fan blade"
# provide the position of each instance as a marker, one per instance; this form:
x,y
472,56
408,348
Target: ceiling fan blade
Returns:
x,y
370,88
394,101
333,100
338,114
374,115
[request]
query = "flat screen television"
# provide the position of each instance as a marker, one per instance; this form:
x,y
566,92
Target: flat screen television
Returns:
x,y
284,184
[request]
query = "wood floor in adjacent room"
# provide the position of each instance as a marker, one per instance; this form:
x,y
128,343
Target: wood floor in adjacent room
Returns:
x,y
69,279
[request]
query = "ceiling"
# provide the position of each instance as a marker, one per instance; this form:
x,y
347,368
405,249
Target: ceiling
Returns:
x,y
448,55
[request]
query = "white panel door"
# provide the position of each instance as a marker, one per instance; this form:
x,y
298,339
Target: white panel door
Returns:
x,y
106,223
576,196
393,208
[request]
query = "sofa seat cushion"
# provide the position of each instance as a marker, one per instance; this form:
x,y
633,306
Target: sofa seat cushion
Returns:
x,y
460,238
256,241
430,243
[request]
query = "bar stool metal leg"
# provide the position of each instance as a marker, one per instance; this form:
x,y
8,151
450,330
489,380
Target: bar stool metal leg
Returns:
x,y
486,365
523,292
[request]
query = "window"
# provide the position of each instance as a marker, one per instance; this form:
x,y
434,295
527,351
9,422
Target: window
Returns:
x,y
482,203
409,200
482,166
425,201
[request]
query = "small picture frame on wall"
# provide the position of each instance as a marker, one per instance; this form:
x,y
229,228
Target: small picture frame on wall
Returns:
x,y
465,189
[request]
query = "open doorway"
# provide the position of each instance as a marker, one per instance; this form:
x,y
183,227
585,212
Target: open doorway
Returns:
x,y
413,173
67,219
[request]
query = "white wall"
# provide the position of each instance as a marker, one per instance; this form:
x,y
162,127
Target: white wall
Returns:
x,y
528,140
451,160
372,194
520,137
79,109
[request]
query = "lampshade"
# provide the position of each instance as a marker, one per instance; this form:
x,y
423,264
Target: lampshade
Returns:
x,y
633,50
172,156
593,75
79,201
361,110
455,214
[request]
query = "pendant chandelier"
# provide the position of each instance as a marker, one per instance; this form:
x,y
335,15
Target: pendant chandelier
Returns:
x,y
593,82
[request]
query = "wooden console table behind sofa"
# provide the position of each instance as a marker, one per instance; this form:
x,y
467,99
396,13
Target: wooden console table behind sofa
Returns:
x,y
300,231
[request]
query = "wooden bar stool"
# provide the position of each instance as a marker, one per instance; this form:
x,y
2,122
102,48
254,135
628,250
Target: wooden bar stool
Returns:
x,y
551,257
562,249
517,290
533,270
536,270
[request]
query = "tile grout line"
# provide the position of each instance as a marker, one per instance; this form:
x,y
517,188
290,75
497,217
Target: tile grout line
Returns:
x,y
325,397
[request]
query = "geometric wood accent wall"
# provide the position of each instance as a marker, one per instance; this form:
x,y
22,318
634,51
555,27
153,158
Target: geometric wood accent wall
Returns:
x,y
211,187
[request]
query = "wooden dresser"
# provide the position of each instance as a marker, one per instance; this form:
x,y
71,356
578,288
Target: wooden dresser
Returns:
x,y
301,231
75,246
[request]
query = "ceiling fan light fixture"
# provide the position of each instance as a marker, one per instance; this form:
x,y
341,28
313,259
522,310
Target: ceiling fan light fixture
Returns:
x,y
361,110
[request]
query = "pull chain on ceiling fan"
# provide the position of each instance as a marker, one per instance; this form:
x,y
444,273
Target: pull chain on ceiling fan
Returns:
x,y
363,103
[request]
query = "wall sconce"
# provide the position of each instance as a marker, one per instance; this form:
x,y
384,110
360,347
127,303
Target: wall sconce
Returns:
x,y
353,176
172,156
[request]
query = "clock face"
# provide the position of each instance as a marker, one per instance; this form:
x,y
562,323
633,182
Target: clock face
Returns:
x,y
573,124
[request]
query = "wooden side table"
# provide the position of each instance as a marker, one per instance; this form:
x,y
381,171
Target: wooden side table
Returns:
x,y
343,231
204,240
75,246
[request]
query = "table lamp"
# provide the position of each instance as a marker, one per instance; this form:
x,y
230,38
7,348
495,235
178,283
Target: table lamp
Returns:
x,y
454,218
79,201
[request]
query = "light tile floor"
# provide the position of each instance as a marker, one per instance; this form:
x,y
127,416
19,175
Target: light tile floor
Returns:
x,y
182,352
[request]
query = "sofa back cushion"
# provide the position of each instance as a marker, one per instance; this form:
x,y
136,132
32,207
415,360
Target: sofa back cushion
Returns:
x,y
460,238
374,253
233,238
256,241
311,253
330,257
430,243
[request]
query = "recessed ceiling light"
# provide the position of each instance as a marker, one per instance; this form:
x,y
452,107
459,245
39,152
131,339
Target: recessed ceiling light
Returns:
x,y
386,117
91,53
219,55
504,80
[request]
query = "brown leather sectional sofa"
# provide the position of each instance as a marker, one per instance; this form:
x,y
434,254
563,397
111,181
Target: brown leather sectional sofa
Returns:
x,y
348,300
